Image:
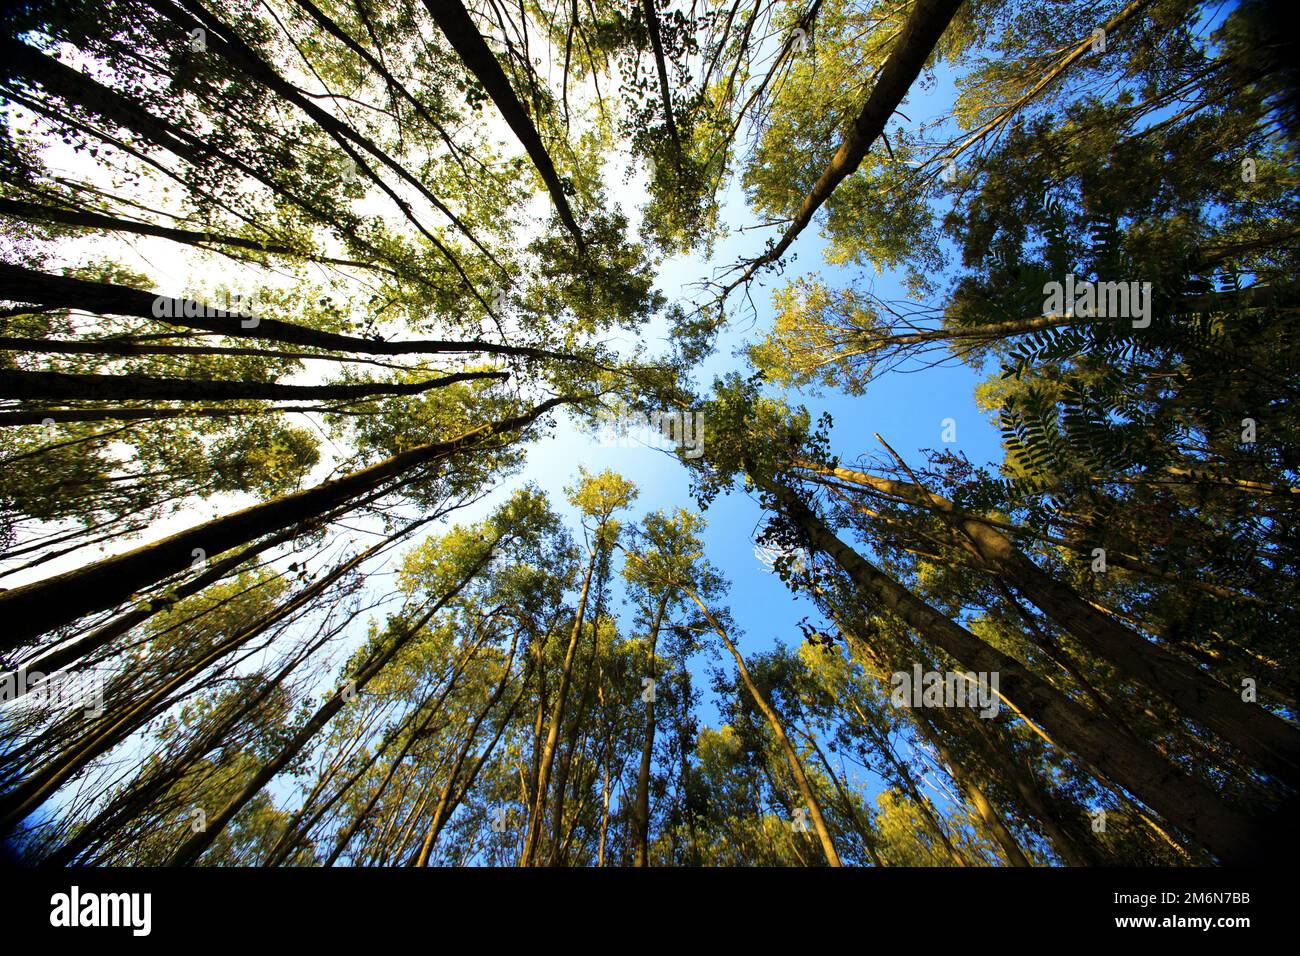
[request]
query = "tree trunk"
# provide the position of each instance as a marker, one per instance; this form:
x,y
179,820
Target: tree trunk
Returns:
x,y
36,608
193,847
1188,803
590,684
641,809
974,794
1269,741
456,25
66,387
774,722
924,27
657,46
535,816
28,211
444,809
106,298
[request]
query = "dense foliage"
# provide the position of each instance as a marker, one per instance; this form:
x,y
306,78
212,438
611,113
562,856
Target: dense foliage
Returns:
x,y
286,285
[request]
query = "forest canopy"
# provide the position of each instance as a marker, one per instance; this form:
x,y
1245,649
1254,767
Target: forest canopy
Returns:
x,y
302,300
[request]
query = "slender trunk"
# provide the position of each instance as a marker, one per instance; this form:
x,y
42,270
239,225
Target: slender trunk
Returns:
x,y
58,415
909,785
141,793
641,809
36,608
926,24
35,789
661,67
975,795
1269,741
456,25
107,298
81,648
224,42
79,89
193,847
296,830
130,347
591,681
66,387
774,722
28,211
538,809
460,793
850,806
395,764
1190,804
333,29
443,810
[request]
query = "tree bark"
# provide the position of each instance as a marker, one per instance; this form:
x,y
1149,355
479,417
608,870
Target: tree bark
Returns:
x,y
1188,803
641,809
774,722
974,794
39,607
444,809
456,25
197,843
29,211
921,33
1269,741
535,817
28,285
70,387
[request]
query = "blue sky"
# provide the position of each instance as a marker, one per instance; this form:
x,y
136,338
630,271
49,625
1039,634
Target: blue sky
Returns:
x,y
906,409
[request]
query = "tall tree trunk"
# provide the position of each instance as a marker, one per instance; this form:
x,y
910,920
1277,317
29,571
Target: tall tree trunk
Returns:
x,y
142,792
443,810
431,707
656,45
864,829
129,347
118,726
1269,741
79,650
591,682
193,847
106,298
974,794
1188,803
58,415
456,25
774,722
908,784
39,607
66,387
28,211
307,817
641,809
538,809
920,36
